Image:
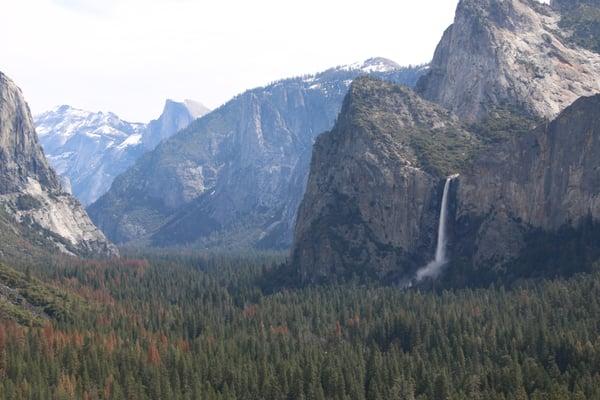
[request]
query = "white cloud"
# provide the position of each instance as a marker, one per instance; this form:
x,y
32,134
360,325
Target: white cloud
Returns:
x,y
98,7
127,56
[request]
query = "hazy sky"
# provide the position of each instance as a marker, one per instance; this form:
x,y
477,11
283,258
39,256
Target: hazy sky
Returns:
x,y
128,56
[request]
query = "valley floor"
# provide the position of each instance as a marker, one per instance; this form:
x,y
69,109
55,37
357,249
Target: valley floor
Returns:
x,y
205,327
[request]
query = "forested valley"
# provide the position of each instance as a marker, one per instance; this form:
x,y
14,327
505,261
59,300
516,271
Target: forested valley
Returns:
x,y
205,326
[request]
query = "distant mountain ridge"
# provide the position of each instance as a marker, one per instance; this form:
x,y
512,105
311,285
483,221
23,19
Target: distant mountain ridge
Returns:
x,y
89,149
236,176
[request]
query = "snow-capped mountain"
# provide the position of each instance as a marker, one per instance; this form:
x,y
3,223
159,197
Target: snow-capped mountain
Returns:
x,y
89,149
376,64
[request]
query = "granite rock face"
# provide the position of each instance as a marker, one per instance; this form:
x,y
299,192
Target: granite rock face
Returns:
x,y
236,176
174,117
541,181
510,54
20,155
31,196
372,200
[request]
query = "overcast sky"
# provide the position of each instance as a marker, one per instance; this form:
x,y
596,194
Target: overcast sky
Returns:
x,y
128,56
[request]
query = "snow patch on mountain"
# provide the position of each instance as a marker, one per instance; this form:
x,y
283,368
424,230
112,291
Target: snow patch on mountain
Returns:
x,y
132,140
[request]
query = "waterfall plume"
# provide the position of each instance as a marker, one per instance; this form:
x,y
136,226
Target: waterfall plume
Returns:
x,y
433,269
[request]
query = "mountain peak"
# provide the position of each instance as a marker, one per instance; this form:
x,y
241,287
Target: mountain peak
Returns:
x,y
374,64
379,64
508,53
63,108
194,108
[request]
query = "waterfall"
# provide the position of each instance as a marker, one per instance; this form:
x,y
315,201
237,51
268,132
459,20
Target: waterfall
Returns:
x,y
433,269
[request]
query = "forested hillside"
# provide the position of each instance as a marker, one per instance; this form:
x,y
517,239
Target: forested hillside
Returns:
x,y
201,327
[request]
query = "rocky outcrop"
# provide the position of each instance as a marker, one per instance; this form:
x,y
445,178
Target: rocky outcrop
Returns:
x,y
510,54
21,157
372,200
236,176
539,182
175,117
31,197
88,150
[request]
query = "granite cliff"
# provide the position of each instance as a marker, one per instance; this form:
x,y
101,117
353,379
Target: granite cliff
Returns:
x,y
35,212
370,207
519,197
508,54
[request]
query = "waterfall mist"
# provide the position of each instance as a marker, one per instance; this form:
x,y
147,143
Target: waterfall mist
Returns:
x,y
433,269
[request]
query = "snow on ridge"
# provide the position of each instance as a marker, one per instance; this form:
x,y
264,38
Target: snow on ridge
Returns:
x,y
372,65
377,64
65,122
132,140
